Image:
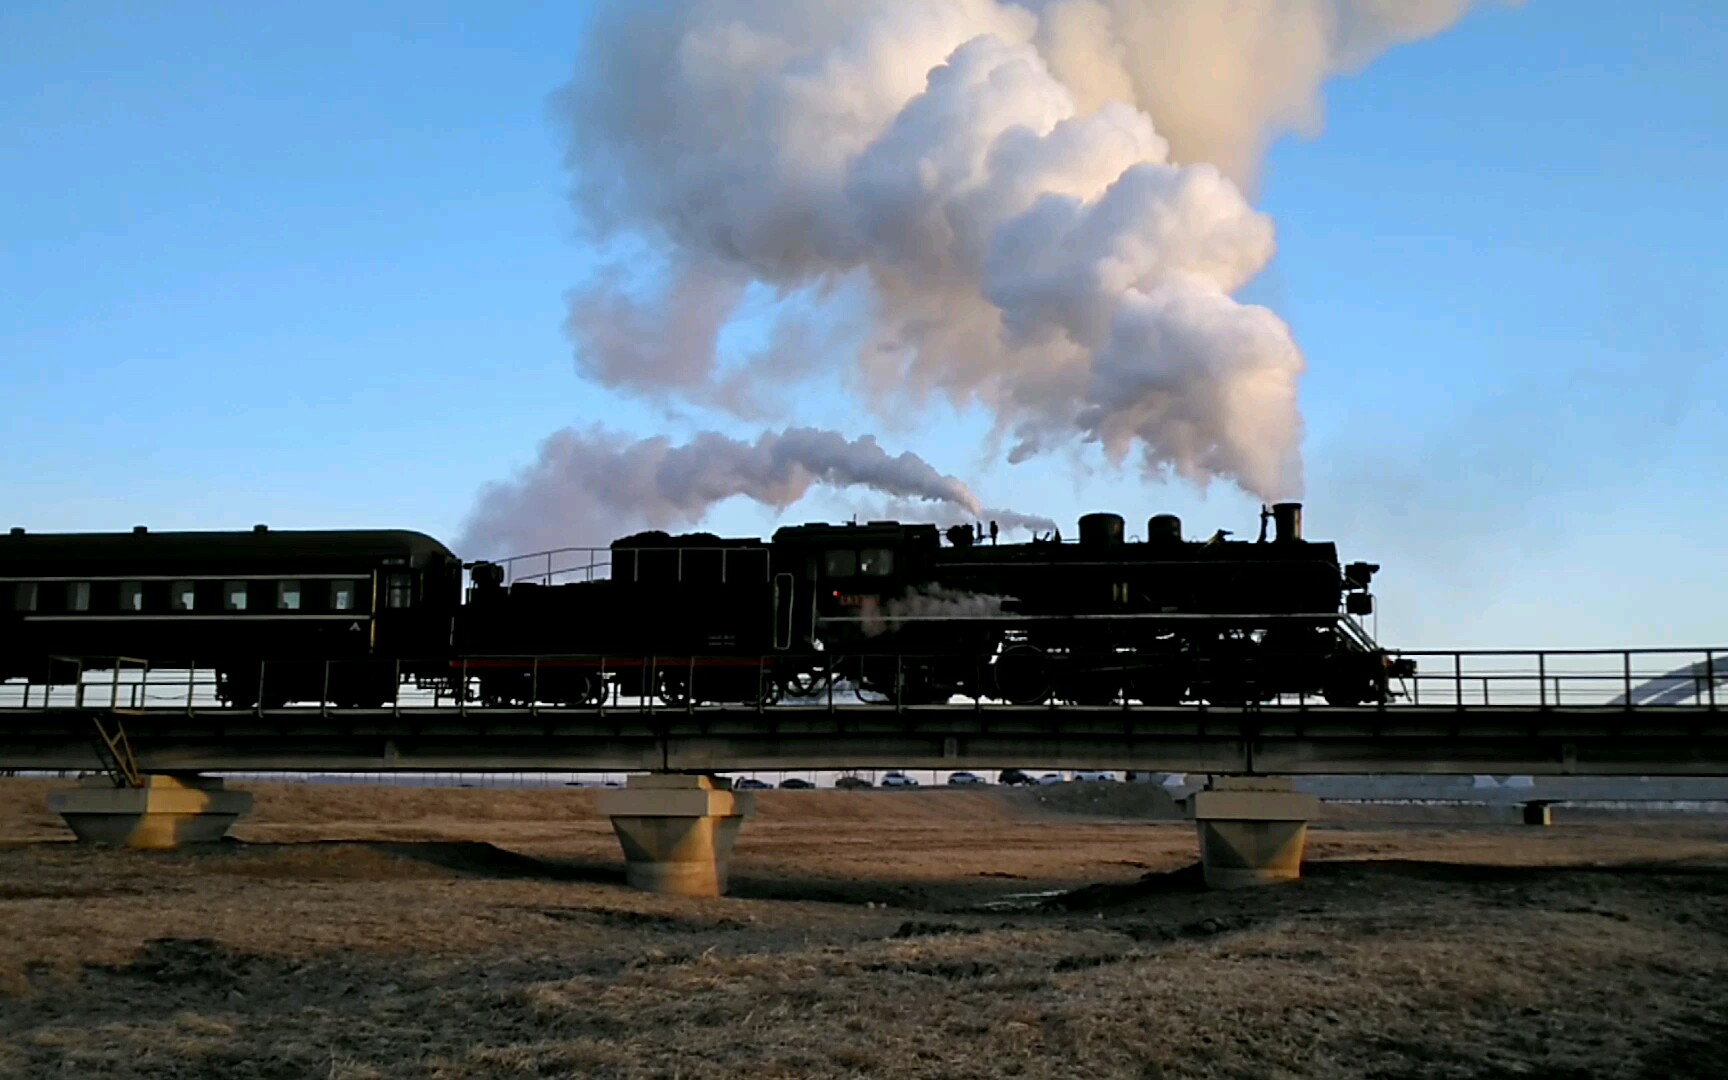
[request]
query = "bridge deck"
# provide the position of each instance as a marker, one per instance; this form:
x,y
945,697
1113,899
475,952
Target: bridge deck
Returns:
x,y
1674,741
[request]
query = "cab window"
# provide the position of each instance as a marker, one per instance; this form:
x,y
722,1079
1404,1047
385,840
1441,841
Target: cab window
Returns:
x,y
287,596
233,596
24,596
181,596
876,562
840,563
344,595
77,596
399,590
131,596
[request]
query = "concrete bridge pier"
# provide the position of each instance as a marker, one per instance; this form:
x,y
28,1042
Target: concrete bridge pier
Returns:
x,y
1252,830
677,831
162,814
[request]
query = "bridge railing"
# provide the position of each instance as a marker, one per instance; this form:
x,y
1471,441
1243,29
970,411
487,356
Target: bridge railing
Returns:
x,y
1630,679
1567,678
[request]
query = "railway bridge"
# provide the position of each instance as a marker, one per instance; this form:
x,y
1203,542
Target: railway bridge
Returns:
x,y
153,734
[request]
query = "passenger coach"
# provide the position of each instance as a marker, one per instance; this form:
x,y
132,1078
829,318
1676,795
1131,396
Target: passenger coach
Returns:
x,y
222,600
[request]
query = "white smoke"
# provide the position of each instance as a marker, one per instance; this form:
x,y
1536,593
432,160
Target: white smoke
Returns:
x,y
1044,200
929,602
589,487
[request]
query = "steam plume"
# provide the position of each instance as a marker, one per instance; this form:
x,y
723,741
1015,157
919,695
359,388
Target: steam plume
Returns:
x,y
589,487
1043,199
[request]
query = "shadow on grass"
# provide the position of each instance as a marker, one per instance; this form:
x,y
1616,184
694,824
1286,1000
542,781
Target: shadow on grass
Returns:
x,y
1463,873
470,858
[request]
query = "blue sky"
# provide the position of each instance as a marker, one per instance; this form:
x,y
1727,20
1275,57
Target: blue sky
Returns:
x,y
307,267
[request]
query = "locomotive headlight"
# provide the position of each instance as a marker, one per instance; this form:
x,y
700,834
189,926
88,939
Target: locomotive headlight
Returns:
x,y
1359,603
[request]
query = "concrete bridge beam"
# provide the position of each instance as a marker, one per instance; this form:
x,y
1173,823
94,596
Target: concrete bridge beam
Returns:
x,y
167,812
677,831
1252,830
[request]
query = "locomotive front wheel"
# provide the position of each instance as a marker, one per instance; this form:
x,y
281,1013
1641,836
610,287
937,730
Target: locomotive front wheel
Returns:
x,y
1345,692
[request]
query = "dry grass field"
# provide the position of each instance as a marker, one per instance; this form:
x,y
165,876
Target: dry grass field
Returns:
x,y
384,932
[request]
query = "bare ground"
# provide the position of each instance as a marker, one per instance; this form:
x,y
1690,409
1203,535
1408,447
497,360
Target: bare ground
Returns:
x,y
381,932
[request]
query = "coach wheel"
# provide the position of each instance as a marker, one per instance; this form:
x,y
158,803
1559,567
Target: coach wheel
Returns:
x,y
1023,675
589,690
237,691
769,690
673,689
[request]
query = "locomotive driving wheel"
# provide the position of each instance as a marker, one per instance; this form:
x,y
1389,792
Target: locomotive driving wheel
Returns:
x,y
1023,675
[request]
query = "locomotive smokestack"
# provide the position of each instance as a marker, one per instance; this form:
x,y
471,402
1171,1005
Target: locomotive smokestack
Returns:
x,y
1286,521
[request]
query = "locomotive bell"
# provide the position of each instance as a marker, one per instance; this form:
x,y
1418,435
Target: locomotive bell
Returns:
x,y
1164,529
1101,530
1287,521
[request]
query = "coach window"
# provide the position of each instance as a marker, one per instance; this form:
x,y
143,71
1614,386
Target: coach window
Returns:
x,y
24,596
77,596
287,596
876,562
840,563
399,590
233,596
342,594
180,596
131,596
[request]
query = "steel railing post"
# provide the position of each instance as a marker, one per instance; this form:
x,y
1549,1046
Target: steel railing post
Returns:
x,y
1542,680
396,688
462,694
1710,676
324,694
258,704
534,687
1626,669
1458,680
191,673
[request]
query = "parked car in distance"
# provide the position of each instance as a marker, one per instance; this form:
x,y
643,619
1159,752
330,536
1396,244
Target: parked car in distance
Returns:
x,y
965,779
898,779
793,783
1100,776
1013,776
852,783
750,783
1049,778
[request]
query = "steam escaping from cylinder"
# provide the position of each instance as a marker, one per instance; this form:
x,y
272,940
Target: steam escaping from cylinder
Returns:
x,y
588,487
1041,203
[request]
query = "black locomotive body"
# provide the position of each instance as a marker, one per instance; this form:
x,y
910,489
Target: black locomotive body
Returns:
x,y
1160,621
886,607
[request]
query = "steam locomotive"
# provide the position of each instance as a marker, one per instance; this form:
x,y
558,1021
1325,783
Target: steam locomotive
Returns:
x,y
898,612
